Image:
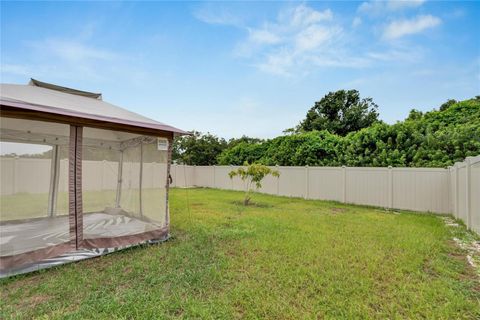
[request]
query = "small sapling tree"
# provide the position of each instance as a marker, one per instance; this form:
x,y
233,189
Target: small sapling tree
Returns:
x,y
252,175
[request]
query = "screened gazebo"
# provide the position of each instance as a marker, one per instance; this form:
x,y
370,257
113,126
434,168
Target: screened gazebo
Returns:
x,y
80,177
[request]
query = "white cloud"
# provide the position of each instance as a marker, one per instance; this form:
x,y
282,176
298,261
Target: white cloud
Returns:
x,y
402,4
398,53
16,69
399,28
356,22
314,36
376,7
211,15
278,63
300,37
304,16
62,59
264,36
341,60
71,50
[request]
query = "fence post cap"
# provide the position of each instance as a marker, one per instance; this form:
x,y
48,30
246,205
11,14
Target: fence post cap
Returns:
x,y
344,167
390,167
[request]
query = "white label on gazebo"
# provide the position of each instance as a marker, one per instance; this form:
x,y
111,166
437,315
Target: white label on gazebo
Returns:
x,y
162,144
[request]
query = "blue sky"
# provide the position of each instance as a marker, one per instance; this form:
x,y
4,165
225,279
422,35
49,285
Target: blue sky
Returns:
x,y
235,68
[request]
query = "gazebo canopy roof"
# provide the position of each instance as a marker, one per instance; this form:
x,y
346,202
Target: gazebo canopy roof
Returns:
x,y
44,100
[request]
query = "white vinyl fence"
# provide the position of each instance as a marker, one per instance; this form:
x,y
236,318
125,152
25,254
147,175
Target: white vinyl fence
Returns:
x,y
419,189
455,190
29,175
465,190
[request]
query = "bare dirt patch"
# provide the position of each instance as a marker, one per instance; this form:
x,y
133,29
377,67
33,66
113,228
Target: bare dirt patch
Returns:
x,y
253,204
336,210
466,242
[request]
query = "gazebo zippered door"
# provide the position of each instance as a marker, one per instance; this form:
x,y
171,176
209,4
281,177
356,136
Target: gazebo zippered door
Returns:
x,y
75,212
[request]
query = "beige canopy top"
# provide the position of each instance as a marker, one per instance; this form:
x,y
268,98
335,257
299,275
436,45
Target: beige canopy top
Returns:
x,y
40,100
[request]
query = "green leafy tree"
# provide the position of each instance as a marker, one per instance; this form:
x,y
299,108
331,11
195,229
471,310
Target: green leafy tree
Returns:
x,y
198,149
242,152
447,104
252,175
316,148
340,112
414,115
244,139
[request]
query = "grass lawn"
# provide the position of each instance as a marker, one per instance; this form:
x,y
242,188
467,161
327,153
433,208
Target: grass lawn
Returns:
x,y
280,259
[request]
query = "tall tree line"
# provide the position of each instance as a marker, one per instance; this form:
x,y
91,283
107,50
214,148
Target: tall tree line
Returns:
x,y
343,129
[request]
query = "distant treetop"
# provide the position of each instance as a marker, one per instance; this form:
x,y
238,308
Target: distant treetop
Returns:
x,y
340,112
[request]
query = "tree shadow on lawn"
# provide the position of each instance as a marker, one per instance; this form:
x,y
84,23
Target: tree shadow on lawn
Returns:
x,y
253,204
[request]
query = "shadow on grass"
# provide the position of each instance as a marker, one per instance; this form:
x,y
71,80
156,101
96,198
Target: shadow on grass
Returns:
x,y
253,204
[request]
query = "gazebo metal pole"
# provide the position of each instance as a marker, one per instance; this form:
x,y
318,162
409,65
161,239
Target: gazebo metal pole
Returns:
x,y
119,181
54,178
141,179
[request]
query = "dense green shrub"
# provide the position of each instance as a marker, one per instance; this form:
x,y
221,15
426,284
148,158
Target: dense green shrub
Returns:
x,y
316,148
242,152
198,149
432,139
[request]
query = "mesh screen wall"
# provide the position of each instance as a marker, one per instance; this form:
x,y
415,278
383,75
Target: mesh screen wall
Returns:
x,y
123,187
33,218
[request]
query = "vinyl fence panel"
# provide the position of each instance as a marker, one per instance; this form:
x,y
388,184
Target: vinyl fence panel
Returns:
x,y
270,184
204,176
368,186
421,189
475,196
462,193
292,181
325,183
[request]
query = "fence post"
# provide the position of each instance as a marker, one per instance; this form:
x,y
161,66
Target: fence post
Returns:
x,y
390,187
214,178
306,182
456,191
278,180
104,162
184,175
175,166
15,174
451,185
468,190
194,180
231,179
344,193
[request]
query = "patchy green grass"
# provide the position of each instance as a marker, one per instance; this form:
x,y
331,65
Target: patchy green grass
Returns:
x,y
279,259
